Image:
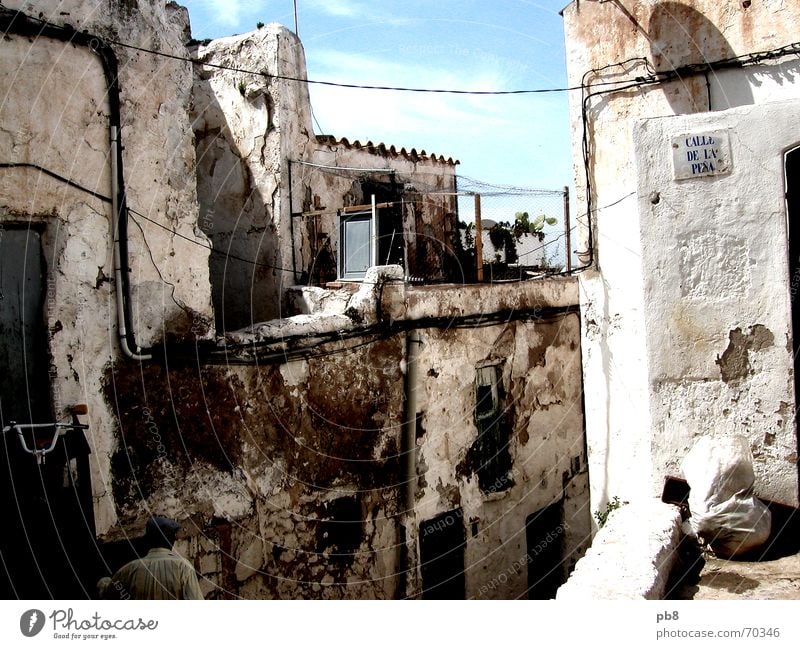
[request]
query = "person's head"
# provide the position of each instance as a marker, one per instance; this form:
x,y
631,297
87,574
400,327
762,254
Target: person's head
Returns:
x,y
160,532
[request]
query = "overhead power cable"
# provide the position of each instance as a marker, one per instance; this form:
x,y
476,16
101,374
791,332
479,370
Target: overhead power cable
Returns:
x,y
355,86
210,249
741,60
107,199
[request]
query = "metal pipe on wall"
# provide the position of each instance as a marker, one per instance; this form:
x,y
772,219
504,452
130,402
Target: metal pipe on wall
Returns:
x,y
409,448
567,233
17,22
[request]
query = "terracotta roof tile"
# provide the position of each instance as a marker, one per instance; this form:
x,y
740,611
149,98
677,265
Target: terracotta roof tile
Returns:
x,y
387,152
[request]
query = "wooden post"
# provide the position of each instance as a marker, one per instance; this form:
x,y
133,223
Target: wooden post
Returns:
x,y
374,241
478,240
567,232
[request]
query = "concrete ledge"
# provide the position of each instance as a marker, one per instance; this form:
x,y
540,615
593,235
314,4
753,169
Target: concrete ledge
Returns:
x,y
631,557
359,309
457,300
325,311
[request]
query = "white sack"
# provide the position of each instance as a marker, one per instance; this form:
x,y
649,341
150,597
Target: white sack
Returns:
x,y
725,512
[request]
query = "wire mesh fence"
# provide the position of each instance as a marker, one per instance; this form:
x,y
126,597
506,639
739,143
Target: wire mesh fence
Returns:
x,y
523,231
427,222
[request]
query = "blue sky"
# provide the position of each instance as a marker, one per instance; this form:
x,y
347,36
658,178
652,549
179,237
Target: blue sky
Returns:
x,y
465,44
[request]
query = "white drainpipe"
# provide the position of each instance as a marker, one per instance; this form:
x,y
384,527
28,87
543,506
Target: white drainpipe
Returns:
x,y
122,330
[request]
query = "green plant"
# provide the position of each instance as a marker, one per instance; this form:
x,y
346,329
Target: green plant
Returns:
x,y
502,238
242,87
469,234
601,515
523,225
505,235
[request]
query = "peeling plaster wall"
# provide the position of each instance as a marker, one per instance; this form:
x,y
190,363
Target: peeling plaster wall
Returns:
x,y
55,114
248,128
245,128
289,478
624,460
418,186
718,328
284,476
540,364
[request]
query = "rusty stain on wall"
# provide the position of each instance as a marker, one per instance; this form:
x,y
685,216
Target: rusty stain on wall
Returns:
x,y
287,480
297,473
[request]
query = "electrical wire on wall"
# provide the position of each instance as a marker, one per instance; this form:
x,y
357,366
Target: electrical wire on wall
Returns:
x,y
590,90
652,78
258,352
300,346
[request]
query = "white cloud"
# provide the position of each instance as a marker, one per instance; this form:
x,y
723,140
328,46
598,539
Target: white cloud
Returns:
x,y
429,121
339,8
505,139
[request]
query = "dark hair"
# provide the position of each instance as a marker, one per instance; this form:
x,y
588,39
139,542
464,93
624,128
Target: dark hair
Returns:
x,y
160,532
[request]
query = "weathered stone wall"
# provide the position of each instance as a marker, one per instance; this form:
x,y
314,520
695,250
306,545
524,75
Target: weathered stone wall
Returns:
x,y
540,367
246,126
418,187
287,475
284,476
290,477
632,441
259,162
55,114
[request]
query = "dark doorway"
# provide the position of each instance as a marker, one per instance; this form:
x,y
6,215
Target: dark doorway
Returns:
x,y
48,527
544,535
340,531
793,226
24,384
442,541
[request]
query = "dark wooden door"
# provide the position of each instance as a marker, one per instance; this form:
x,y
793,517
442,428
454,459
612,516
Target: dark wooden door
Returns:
x,y
442,545
544,533
47,538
